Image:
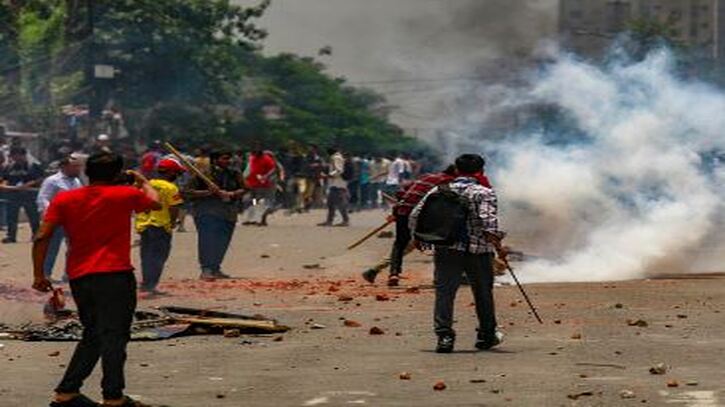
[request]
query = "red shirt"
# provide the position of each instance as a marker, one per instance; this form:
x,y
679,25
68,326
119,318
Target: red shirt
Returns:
x,y
260,165
412,195
97,222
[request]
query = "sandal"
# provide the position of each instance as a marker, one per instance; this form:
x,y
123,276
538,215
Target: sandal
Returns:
x,y
78,401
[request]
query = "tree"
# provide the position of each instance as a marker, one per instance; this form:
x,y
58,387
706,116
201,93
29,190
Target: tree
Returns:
x,y
189,70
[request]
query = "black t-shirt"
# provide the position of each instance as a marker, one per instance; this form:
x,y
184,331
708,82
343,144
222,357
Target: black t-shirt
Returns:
x,y
18,174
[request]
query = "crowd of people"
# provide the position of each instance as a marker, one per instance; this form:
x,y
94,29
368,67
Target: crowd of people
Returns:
x,y
255,183
88,199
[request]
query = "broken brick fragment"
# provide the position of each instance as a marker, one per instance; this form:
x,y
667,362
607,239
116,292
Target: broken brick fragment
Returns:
x,y
352,324
376,331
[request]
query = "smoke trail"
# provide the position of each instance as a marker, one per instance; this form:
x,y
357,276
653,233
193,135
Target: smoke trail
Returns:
x,y
636,187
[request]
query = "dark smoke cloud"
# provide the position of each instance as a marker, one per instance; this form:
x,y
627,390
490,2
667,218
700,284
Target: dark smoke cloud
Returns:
x,y
383,40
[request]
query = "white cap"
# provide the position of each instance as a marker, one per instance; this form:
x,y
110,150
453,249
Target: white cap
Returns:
x,y
103,137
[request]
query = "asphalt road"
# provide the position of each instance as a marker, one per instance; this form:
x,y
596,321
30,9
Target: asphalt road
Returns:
x,y
585,354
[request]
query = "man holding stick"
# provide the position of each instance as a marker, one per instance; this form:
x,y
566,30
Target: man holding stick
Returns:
x,y
97,223
216,207
471,254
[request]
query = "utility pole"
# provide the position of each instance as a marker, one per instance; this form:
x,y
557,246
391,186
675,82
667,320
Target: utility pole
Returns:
x,y
90,64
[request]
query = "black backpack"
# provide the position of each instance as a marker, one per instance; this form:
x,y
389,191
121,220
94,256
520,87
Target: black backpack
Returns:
x,y
443,220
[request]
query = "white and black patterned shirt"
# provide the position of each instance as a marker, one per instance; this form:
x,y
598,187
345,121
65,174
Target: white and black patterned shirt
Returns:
x,y
482,219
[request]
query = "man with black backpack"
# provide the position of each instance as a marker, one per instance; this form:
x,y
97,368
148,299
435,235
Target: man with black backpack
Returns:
x,y
458,220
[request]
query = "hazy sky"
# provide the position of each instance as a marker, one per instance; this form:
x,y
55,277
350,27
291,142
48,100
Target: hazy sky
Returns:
x,y
409,40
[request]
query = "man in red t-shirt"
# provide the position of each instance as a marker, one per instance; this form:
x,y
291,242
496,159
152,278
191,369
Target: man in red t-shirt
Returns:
x,y
260,180
97,222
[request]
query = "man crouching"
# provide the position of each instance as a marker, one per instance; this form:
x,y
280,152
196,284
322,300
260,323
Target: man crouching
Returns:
x,y
97,222
464,248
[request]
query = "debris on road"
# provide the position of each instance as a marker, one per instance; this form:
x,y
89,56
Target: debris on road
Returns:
x,y
232,333
351,324
405,376
376,331
382,297
440,386
658,369
167,322
318,326
637,322
627,394
673,383
577,396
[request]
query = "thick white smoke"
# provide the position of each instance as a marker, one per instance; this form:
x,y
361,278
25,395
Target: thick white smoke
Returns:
x,y
635,192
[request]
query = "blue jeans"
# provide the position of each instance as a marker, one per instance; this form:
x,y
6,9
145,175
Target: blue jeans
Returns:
x,y
155,249
215,234
53,249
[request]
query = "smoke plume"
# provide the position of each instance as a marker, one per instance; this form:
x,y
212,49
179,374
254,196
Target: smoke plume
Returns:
x,y
636,188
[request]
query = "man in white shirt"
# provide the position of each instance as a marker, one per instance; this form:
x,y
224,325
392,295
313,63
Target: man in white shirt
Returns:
x,y
66,179
338,195
396,172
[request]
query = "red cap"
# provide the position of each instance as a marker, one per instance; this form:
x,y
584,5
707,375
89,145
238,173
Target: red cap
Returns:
x,y
169,165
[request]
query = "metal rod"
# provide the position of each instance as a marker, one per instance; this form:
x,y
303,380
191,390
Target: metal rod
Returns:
x,y
523,292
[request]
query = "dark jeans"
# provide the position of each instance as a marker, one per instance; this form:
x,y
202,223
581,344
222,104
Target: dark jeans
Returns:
x,y
365,199
450,265
106,303
155,249
353,187
27,202
337,201
53,249
215,234
3,212
402,240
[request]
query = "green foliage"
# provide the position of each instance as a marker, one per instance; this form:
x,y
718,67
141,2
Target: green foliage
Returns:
x,y
189,70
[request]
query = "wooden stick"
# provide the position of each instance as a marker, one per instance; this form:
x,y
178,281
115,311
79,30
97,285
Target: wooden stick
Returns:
x,y
191,167
371,234
388,198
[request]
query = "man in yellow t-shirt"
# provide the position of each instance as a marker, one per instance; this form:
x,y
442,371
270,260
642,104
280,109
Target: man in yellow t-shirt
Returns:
x,y
156,227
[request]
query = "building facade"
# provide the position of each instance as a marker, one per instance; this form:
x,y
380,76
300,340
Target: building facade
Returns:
x,y
589,26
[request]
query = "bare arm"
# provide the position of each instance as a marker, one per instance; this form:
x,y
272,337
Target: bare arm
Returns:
x,y
145,187
40,252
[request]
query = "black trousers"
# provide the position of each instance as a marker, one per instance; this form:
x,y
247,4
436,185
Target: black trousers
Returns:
x,y
16,201
106,303
337,200
402,240
450,265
